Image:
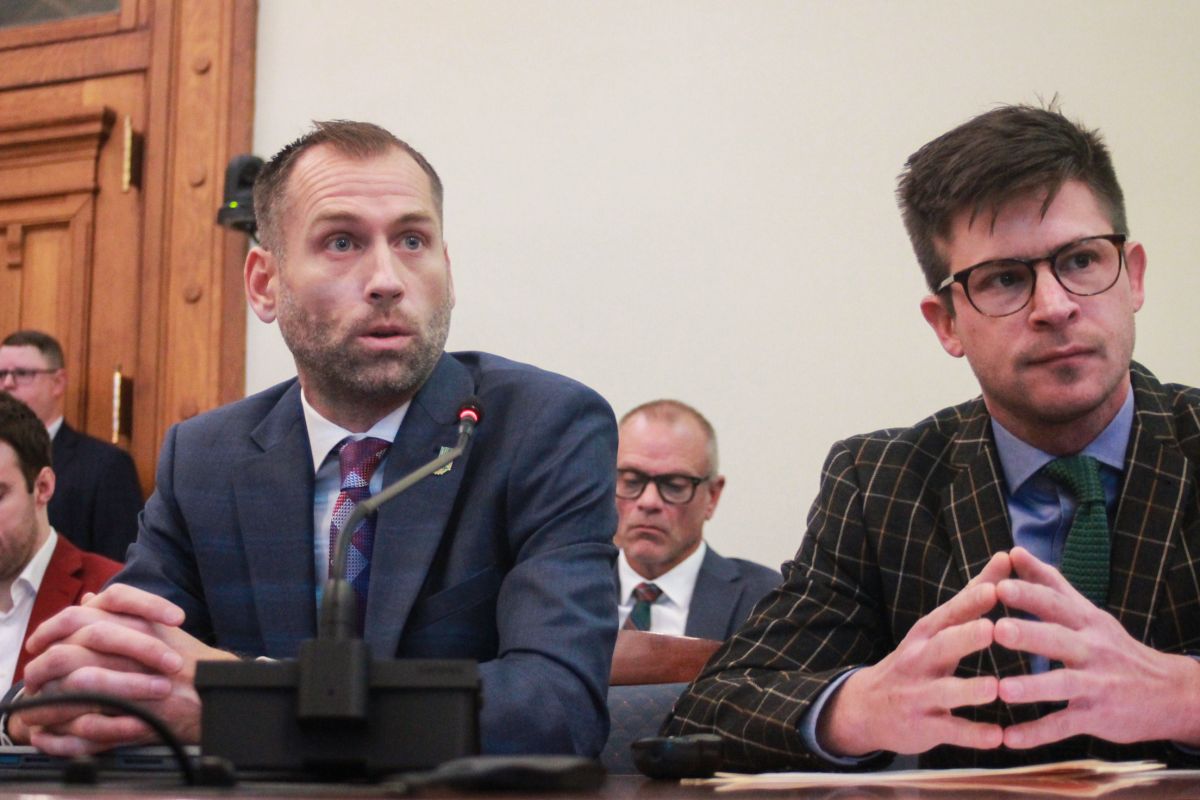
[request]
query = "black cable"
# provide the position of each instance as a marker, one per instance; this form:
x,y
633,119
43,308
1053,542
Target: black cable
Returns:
x,y
97,699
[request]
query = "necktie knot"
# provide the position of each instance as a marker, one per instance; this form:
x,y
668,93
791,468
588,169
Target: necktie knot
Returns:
x,y
1080,475
639,617
359,459
646,592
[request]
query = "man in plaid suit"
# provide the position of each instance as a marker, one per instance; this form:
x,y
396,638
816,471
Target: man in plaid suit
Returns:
x,y
929,608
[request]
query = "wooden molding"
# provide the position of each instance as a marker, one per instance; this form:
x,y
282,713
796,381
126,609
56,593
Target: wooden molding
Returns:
x,y
42,156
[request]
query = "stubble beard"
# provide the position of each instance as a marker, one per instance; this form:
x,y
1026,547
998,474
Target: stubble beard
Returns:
x,y
336,370
17,548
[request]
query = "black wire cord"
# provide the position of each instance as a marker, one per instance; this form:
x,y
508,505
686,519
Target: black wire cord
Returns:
x,y
108,701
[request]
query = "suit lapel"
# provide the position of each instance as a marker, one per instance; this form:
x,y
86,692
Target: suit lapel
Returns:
x,y
1148,517
714,598
61,586
975,517
275,507
973,509
63,445
410,527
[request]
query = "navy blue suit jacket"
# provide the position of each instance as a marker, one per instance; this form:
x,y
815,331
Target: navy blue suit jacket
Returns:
x,y
97,496
505,559
727,590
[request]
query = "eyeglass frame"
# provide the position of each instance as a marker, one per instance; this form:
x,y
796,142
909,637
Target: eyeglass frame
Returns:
x,y
963,275
658,480
23,376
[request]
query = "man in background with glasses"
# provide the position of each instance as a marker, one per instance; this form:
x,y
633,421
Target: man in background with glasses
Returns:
x,y
669,580
1015,579
98,496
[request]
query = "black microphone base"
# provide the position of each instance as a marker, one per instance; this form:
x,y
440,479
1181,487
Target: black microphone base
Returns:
x,y
419,713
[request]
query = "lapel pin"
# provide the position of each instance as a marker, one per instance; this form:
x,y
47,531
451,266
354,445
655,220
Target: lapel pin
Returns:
x,y
441,452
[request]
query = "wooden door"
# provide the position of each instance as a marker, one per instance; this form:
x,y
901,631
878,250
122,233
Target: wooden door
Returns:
x,y
114,131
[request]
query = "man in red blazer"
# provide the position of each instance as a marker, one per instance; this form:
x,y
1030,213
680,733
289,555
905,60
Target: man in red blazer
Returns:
x,y
41,573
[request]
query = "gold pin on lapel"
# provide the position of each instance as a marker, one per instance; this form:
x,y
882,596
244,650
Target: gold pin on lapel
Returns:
x,y
441,452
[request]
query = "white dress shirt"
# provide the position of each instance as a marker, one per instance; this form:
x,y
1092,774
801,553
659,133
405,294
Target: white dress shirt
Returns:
x,y
669,614
323,437
14,622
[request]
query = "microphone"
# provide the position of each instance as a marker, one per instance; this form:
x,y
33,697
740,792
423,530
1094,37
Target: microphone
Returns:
x,y
339,604
334,679
333,711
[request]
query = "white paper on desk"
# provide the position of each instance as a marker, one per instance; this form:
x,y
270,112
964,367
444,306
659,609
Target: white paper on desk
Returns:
x,y
1083,778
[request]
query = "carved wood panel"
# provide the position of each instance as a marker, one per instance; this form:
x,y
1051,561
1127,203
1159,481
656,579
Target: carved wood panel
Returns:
x,y
143,280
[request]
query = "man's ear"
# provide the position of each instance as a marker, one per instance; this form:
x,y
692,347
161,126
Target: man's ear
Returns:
x,y
262,283
715,487
1135,265
944,323
58,383
449,274
43,487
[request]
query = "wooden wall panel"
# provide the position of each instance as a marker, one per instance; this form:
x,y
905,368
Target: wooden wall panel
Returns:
x,y
164,300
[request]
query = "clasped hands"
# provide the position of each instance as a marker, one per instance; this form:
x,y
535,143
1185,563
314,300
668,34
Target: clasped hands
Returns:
x,y
1114,686
124,642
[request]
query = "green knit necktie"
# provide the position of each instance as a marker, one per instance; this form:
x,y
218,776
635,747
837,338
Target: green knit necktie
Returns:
x,y
1085,555
645,594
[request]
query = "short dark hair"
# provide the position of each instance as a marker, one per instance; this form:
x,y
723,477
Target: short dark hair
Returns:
x,y
999,156
46,344
359,140
21,429
670,410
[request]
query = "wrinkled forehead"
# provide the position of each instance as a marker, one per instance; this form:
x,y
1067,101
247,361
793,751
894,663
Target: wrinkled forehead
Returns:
x,y
325,177
675,444
1028,224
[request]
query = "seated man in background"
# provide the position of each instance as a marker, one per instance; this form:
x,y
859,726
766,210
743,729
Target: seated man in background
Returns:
x,y
505,557
1014,579
41,573
98,496
668,486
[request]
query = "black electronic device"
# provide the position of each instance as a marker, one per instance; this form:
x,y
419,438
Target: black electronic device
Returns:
x,y
334,712
420,713
548,773
237,208
697,755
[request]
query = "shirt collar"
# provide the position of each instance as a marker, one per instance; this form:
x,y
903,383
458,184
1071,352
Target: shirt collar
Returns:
x,y
324,435
677,583
54,427
30,579
1021,461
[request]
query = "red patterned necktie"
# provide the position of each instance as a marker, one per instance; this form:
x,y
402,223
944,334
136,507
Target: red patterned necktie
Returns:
x,y
359,459
639,618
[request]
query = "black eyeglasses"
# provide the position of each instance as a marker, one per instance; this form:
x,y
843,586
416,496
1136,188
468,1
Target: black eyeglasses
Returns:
x,y
674,488
22,376
1003,286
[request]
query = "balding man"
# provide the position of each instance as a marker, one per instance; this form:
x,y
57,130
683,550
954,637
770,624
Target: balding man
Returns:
x,y
669,579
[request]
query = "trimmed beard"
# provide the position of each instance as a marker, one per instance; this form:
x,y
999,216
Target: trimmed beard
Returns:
x,y
345,376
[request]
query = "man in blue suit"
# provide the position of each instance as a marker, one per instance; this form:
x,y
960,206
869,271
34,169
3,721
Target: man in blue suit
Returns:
x,y
505,557
668,579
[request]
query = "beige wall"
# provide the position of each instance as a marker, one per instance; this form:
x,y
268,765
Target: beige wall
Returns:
x,y
694,198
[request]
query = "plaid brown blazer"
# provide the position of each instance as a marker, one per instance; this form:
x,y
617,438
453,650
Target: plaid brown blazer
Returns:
x,y
903,519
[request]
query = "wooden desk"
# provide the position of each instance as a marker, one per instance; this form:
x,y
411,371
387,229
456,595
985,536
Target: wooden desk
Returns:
x,y
1174,786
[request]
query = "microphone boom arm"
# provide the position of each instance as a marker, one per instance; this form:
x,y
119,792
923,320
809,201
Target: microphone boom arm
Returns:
x,y
334,595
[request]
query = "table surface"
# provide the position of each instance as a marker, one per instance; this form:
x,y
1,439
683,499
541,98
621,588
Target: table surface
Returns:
x,y
616,787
